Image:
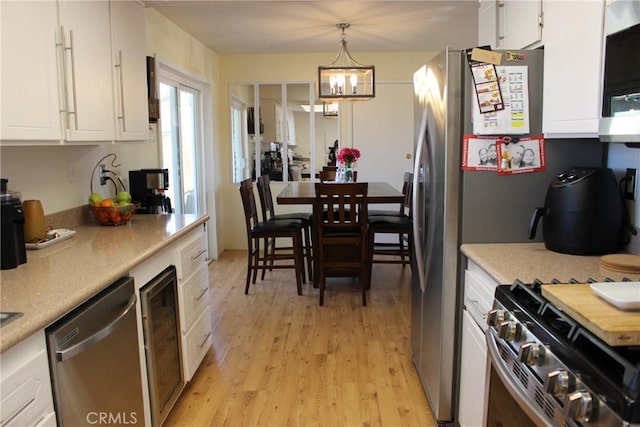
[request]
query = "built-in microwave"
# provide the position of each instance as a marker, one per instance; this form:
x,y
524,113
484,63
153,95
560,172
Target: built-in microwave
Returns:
x,y
620,121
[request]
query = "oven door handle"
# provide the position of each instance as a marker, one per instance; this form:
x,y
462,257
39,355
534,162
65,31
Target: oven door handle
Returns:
x,y
536,415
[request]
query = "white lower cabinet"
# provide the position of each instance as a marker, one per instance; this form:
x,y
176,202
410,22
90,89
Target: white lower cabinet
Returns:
x,y
25,390
471,412
196,343
189,255
193,297
479,289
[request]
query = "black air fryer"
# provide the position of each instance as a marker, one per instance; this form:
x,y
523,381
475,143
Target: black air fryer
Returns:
x,y
12,232
582,213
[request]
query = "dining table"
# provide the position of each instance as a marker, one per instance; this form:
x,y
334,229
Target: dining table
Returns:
x,y
304,193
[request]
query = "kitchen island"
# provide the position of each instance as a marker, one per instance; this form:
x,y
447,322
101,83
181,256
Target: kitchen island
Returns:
x,y
60,277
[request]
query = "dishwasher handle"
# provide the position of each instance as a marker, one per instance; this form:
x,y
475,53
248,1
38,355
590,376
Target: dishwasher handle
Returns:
x,y
98,335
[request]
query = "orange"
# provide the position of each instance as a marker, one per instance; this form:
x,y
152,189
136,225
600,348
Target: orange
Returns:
x,y
106,203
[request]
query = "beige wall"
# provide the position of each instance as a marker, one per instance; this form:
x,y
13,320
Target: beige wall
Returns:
x,y
292,68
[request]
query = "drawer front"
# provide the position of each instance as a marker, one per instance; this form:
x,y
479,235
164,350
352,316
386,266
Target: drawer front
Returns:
x,y
196,343
478,297
26,393
193,297
191,256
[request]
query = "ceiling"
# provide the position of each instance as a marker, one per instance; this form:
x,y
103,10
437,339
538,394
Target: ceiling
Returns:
x,y
249,27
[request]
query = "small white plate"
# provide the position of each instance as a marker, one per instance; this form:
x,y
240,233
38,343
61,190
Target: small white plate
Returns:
x,y
624,295
53,237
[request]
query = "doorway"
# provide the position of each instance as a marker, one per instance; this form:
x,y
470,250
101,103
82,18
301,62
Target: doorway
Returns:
x,y
182,131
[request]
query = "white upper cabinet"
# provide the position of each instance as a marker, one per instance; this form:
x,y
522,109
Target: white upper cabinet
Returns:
x,y
519,23
572,68
488,23
28,73
72,71
129,62
87,82
510,24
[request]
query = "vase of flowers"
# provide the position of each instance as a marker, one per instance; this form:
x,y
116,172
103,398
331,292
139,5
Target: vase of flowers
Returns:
x,y
348,156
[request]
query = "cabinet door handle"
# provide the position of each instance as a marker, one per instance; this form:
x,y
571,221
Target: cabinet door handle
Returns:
x,y
62,71
206,338
195,257
18,411
74,101
204,291
120,66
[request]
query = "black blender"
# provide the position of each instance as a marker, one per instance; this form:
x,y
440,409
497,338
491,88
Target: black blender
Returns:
x,y
14,251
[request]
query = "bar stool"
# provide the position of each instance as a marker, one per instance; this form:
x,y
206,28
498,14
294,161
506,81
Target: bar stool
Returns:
x,y
393,222
265,230
268,214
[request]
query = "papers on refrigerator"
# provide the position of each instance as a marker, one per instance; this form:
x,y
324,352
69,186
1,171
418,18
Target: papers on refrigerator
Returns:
x,y
514,118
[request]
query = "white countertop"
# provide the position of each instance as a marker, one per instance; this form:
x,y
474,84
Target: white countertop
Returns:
x,y
507,262
56,279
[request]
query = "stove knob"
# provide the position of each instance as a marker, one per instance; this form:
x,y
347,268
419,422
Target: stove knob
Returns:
x,y
510,331
496,317
579,406
557,383
531,353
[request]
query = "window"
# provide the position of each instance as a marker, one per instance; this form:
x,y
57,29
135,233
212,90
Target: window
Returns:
x,y
275,131
239,140
180,139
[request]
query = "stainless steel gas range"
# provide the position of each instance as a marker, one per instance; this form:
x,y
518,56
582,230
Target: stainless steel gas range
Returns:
x,y
553,369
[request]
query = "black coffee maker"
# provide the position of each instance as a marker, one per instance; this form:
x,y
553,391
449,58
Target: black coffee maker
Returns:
x,y
14,251
147,187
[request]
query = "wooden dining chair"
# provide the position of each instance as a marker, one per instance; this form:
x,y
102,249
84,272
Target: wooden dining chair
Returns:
x,y
257,231
268,214
397,222
341,245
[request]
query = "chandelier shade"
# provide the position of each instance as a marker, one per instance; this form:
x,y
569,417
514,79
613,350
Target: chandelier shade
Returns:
x,y
345,78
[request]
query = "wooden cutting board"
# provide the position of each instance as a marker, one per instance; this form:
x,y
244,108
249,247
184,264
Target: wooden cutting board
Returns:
x,y
621,263
613,326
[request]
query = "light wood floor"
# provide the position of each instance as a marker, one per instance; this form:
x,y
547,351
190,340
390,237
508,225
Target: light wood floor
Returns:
x,y
278,359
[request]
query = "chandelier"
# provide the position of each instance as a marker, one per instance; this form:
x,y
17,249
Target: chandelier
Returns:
x,y
345,78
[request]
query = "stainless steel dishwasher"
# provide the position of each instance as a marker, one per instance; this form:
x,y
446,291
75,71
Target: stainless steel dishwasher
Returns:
x,y
95,361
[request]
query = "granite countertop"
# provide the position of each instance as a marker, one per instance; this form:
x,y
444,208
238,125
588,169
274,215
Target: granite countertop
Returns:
x,y
507,262
60,277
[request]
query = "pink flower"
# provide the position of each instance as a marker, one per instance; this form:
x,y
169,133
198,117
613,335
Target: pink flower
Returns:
x,y
348,155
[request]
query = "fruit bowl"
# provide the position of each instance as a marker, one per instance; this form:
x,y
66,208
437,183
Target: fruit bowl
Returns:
x,y
113,215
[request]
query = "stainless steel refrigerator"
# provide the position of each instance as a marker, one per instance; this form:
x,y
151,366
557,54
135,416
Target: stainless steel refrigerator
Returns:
x,y
452,207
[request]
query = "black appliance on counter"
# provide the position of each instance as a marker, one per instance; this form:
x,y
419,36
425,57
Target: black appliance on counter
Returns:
x,y
14,250
147,187
559,372
583,212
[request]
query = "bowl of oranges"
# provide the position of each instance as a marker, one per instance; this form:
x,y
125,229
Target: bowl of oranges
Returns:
x,y
112,211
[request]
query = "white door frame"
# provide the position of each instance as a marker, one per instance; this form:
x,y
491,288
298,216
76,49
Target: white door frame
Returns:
x,y
206,176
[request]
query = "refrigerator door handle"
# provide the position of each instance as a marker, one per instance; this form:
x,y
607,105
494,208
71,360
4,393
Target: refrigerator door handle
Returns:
x,y
417,245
